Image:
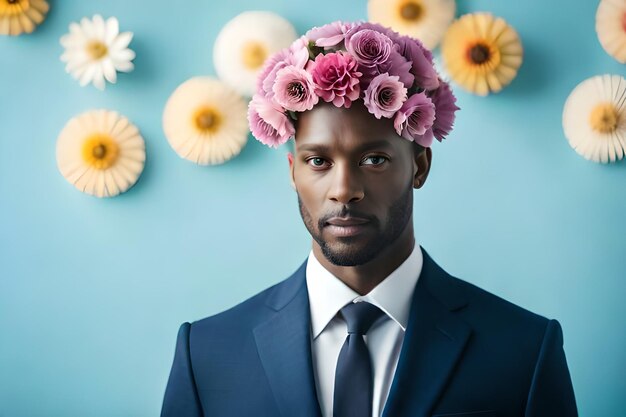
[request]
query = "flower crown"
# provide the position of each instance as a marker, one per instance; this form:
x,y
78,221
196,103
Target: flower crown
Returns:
x,y
342,62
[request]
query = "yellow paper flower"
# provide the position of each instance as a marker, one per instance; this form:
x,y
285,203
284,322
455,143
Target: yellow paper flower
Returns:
x,y
481,53
205,121
611,28
594,118
245,42
101,153
426,20
21,16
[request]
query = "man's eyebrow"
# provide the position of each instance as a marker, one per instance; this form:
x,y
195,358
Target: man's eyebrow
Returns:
x,y
364,147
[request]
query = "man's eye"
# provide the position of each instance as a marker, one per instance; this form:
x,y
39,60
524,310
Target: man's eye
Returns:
x,y
317,162
375,160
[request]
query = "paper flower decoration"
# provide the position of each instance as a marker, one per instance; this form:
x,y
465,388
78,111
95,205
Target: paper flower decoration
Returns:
x,y
245,42
426,20
21,16
594,118
95,50
205,121
611,28
101,153
481,53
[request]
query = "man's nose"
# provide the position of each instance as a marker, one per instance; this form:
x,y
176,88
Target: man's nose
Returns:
x,y
347,184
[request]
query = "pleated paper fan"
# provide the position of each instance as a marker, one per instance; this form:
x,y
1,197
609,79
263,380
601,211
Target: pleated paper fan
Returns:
x,y
594,118
205,121
426,20
245,42
101,153
611,28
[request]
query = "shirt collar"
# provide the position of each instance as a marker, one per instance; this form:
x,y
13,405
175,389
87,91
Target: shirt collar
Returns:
x,y
328,294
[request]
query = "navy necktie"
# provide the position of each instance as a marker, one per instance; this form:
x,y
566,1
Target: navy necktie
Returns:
x,y
354,376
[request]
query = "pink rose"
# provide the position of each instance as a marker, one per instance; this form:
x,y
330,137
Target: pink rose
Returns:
x,y
415,119
385,95
422,62
268,122
294,89
296,55
336,78
330,35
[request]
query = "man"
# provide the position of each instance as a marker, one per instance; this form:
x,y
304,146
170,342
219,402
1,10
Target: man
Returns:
x,y
369,324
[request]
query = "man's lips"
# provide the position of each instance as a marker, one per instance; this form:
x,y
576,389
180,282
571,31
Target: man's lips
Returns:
x,y
346,226
346,221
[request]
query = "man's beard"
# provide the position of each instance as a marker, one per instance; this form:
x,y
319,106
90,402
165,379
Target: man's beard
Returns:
x,y
398,216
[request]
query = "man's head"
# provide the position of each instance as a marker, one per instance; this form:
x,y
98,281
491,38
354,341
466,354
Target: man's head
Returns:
x,y
354,176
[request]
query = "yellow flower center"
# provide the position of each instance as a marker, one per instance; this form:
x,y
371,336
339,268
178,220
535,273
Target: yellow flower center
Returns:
x,y
481,53
411,10
13,7
96,49
604,118
100,151
207,119
253,55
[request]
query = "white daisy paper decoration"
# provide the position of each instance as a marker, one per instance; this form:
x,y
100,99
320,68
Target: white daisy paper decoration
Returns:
x,y
245,42
21,16
95,50
205,121
101,153
426,20
611,28
594,118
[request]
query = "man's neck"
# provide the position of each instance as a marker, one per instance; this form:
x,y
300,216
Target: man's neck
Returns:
x,y
364,278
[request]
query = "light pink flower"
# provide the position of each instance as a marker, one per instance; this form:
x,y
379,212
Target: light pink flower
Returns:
x,y
296,55
330,35
385,95
336,78
415,119
268,122
445,106
294,89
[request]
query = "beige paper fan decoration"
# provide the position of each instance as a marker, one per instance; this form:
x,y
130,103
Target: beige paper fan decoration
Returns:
x,y
21,16
594,118
245,42
205,121
611,28
481,53
426,20
101,153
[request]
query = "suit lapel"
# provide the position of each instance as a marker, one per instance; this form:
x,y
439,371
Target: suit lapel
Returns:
x,y
284,346
433,343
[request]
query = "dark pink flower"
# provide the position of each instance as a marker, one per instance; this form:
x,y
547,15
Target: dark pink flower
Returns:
x,y
336,78
294,89
422,62
268,122
385,95
445,106
415,119
330,35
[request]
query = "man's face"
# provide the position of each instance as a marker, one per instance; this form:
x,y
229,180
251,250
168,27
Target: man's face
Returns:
x,y
354,177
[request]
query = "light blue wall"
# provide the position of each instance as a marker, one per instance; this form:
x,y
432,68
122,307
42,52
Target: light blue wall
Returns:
x,y
92,291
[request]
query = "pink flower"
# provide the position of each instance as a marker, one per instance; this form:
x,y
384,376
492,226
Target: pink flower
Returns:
x,y
294,89
330,35
415,118
385,95
422,62
336,78
445,106
268,122
297,55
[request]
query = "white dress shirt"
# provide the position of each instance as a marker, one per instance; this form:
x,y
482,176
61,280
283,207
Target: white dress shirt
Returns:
x,y
328,294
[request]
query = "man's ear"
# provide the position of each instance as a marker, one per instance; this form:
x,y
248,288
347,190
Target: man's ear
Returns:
x,y
421,164
291,168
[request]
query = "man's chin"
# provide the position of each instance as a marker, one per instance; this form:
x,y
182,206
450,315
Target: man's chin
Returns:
x,y
348,254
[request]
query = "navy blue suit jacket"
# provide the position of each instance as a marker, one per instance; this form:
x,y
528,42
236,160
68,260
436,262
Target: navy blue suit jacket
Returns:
x,y
466,353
